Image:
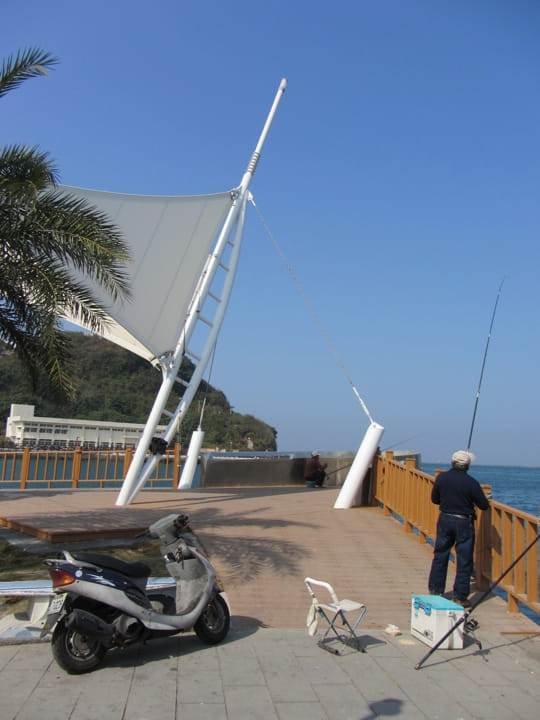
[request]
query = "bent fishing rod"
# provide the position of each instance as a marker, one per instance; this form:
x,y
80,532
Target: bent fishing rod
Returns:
x,y
483,365
476,603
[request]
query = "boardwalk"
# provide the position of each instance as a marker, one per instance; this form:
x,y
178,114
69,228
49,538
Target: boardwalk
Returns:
x,y
263,544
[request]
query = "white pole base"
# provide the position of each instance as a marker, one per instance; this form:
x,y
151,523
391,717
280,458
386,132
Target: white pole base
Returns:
x,y
355,477
188,471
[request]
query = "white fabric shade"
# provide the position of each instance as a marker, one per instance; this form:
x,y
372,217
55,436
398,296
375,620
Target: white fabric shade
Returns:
x,y
169,239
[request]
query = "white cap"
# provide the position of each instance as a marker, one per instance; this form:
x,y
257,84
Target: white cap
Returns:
x,y
315,453
463,457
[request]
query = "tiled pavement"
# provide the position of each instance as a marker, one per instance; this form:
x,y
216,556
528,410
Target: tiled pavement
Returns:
x,y
274,673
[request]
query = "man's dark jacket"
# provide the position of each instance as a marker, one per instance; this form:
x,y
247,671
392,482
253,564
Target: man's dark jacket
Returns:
x,y
457,493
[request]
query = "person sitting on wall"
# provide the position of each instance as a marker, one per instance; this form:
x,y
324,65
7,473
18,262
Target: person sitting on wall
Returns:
x,y
314,472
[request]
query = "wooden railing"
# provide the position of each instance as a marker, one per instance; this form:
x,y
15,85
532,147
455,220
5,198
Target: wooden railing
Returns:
x,y
502,532
47,469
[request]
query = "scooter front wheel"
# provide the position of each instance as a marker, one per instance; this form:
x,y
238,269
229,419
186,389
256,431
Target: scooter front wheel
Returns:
x,y
74,652
214,621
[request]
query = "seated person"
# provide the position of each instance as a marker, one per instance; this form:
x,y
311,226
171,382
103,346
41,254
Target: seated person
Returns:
x,y
314,470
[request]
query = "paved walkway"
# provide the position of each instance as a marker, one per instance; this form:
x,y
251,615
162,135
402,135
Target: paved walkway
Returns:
x,y
264,542
274,673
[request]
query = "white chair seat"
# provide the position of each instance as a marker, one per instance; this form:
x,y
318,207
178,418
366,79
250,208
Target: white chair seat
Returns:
x,y
345,605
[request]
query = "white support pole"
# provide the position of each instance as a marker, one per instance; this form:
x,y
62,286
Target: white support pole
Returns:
x,y
134,482
257,152
355,477
188,471
141,467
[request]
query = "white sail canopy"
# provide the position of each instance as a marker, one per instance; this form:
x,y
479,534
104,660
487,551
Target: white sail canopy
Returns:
x,y
169,239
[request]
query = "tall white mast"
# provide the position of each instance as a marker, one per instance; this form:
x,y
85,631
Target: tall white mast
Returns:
x,y
142,466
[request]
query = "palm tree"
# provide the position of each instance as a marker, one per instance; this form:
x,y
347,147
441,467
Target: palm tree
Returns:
x,y
50,242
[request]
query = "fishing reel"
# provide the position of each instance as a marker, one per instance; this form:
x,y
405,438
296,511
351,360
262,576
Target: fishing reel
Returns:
x,y
469,627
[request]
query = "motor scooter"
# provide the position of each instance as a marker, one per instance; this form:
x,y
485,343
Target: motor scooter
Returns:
x,y
102,603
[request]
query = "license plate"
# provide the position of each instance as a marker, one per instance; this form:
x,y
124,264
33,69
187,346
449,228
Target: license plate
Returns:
x,y
55,608
56,604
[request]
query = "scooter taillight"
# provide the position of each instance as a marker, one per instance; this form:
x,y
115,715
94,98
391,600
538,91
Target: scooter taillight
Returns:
x,y
60,577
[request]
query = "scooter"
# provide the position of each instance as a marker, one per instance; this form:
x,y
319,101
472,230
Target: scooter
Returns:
x,y
102,603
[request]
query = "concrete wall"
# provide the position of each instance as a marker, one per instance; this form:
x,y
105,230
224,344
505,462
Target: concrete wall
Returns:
x,y
230,472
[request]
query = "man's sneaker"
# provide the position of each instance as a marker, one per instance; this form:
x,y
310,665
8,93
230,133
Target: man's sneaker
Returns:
x,y
436,592
466,603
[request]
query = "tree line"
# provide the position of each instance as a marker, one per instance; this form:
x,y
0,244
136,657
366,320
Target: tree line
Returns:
x,y
112,384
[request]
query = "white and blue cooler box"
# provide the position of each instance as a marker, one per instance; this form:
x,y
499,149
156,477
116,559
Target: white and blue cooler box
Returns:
x,y
432,616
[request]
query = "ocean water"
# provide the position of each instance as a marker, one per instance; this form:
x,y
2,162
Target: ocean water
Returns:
x,y
518,487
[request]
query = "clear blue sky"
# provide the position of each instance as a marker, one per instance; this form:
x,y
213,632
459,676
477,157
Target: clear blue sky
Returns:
x,y
401,179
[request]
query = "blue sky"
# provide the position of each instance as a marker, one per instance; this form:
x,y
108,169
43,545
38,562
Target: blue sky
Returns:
x,y
400,178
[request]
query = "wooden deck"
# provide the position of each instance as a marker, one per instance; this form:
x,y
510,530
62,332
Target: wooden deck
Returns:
x,y
263,542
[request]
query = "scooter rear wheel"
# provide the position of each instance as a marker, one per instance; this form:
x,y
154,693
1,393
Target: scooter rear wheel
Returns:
x,y
214,621
74,652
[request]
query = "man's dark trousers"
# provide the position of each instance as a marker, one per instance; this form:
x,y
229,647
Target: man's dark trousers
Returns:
x,y
458,531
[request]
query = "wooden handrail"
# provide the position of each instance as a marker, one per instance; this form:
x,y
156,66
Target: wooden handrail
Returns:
x,y
45,469
502,532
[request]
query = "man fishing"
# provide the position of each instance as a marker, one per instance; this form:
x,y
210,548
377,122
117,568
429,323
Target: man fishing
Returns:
x,y
314,471
458,494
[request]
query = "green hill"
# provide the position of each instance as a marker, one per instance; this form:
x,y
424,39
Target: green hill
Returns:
x,y
113,384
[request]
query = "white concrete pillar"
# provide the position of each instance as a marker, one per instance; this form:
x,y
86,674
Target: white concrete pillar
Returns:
x,y
352,486
188,471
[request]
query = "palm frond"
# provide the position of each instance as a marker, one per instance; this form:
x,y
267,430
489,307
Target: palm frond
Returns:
x,y
84,238
28,63
24,173
49,244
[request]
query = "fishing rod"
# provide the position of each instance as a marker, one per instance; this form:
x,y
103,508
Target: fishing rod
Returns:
x,y
484,365
401,442
343,467
476,603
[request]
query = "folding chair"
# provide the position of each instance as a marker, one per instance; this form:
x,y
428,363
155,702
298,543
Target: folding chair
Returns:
x,y
333,612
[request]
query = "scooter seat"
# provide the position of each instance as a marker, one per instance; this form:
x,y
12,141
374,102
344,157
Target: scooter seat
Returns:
x,y
131,569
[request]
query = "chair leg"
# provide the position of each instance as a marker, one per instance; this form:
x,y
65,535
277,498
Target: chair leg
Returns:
x,y
351,641
326,647
322,643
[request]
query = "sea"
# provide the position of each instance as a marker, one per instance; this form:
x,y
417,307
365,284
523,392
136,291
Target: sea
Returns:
x,y
516,486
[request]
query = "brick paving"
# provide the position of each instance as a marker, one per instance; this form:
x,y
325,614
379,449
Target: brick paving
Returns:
x,y
263,542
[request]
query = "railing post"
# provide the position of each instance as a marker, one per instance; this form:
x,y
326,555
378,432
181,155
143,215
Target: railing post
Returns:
x,y
386,482
76,471
531,532
176,467
374,481
482,554
128,457
25,468
408,500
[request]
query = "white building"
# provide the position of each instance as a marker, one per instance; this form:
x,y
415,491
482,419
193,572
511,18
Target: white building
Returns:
x,y
25,429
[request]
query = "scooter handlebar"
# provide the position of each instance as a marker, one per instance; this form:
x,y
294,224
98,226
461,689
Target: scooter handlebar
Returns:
x,y
169,528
